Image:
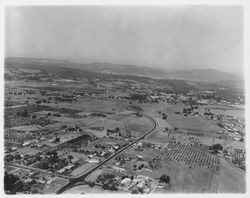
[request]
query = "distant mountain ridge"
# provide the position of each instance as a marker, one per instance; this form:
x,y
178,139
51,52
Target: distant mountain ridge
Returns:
x,y
199,75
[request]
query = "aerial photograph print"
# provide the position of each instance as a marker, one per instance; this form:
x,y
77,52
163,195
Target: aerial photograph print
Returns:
x,y
102,99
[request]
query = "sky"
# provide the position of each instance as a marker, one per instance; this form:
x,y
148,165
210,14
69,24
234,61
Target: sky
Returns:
x,y
170,37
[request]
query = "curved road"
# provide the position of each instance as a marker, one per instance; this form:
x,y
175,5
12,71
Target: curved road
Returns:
x,y
82,177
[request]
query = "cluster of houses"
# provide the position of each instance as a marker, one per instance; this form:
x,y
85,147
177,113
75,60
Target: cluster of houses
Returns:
x,y
139,184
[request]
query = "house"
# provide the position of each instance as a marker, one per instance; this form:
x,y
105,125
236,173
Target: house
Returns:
x,y
118,168
93,161
61,170
41,181
141,184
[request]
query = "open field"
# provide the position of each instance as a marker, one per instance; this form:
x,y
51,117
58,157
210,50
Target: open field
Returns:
x,y
191,123
231,180
10,169
185,179
158,137
97,133
83,168
53,185
108,141
92,177
28,151
93,105
30,70
85,189
27,128
119,117
138,125
230,112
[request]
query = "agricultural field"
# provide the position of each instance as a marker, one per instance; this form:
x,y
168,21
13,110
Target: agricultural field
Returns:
x,y
189,155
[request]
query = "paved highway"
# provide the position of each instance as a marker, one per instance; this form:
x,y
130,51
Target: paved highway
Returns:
x,y
81,177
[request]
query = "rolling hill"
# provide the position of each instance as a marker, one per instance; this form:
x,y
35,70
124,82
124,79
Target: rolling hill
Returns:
x,y
94,69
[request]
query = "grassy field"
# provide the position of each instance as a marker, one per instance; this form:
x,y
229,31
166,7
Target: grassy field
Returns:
x,y
28,150
83,168
9,169
50,188
27,128
231,180
97,133
185,180
109,141
102,122
93,105
82,189
158,137
230,112
138,125
118,117
92,177
201,180
191,123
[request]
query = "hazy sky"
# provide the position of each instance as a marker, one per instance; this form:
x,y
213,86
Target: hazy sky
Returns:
x,y
181,37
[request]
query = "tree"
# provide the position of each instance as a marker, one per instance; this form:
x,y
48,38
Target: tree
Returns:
x,y
91,184
105,186
217,147
164,117
140,190
34,191
113,188
25,113
18,187
70,157
12,183
9,180
165,179
134,192
44,165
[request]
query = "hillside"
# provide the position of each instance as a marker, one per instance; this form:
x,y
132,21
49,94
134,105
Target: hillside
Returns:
x,y
199,75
